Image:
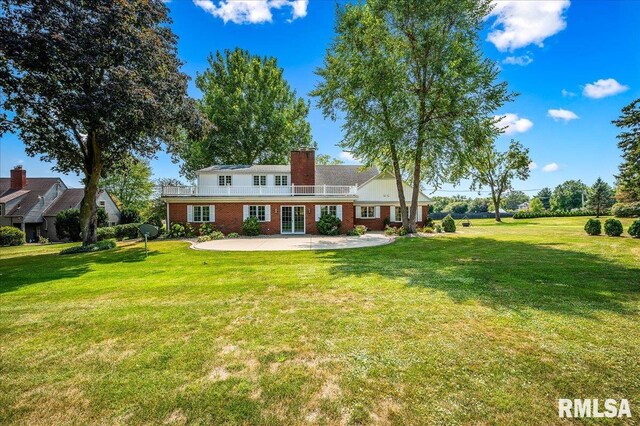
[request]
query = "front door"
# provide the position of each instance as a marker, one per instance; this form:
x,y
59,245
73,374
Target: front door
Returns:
x,y
292,220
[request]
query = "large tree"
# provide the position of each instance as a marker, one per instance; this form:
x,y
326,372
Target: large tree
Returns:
x,y
513,199
130,183
257,118
600,197
628,178
544,195
569,195
327,160
91,82
402,74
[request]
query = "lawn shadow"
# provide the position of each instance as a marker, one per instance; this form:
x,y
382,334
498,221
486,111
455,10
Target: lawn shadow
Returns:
x,y
17,272
504,275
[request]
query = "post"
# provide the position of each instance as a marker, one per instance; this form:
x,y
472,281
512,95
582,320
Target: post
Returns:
x,y
293,188
146,252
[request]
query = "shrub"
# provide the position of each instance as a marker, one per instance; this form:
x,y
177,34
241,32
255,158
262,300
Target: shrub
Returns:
x,y
102,217
613,227
402,231
42,240
328,225
233,235
360,229
593,227
11,236
217,235
390,230
106,233
626,209
203,238
553,213
429,222
634,229
427,230
189,231
154,220
459,207
129,215
438,228
206,229
68,224
251,227
100,245
448,224
177,230
127,231
352,233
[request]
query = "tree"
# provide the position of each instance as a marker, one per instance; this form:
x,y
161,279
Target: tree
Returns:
x,y
327,160
568,195
156,210
536,206
486,166
439,203
91,82
130,183
459,207
403,74
257,117
600,197
513,199
479,205
628,178
545,196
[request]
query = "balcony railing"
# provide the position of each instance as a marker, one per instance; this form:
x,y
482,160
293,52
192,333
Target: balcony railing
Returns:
x,y
249,191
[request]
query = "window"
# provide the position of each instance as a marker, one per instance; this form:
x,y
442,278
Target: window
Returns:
x,y
398,215
332,210
101,204
259,212
260,180
282,180
368,212
224,180
201,213
1,209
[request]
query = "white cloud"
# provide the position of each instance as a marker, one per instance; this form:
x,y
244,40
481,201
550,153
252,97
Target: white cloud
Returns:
x,y
567,94
551,167
518,60
533,165
347,156
603,88
251,11
520,23
562,114
511,124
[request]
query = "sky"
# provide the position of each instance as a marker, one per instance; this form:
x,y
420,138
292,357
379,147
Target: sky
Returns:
x,y
575,64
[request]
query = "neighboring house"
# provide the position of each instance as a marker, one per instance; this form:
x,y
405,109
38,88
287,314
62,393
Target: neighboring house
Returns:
x,y
32,204
289,199
523,207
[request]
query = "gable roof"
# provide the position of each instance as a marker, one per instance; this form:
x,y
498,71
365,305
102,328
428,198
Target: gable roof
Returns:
x,y
246,168
31,193
344,174
70,199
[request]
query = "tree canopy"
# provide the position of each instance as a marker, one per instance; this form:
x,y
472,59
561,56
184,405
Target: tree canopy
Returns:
x,y
628,184
513,199
91,82
327,160
544,195
568,195
256,116
130,183
600,197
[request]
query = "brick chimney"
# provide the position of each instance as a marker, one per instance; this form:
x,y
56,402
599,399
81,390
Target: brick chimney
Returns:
x,y
303,166
18,178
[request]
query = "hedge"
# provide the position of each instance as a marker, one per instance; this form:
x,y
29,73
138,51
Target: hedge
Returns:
x,y
554,213
626,209
119,232
11,236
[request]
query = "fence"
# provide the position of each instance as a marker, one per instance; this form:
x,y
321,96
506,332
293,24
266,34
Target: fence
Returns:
x,y
457,216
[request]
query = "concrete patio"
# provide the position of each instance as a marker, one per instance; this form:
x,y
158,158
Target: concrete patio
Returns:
x,y
294,242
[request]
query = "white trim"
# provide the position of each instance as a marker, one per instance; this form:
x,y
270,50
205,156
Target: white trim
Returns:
x,y
392,214
318,207
212,213
304,220
168,217
267,213
358,212
339,211
419,217
189,213
377,210
245,212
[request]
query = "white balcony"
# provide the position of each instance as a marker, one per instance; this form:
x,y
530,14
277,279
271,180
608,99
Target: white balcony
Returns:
x,y
258,191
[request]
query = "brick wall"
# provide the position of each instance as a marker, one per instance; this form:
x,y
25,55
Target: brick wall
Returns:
x,y
303,167
385,212
229,216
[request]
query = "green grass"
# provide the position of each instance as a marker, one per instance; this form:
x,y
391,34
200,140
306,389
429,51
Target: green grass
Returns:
x,y
488,326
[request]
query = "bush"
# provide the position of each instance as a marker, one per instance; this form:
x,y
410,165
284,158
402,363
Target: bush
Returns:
x,y
106,233
402,231
233,235
634,229
429,222
328,225
251,227
360,229
128,231
43,240
129,215
68,224
593,227
626,209
458,207
102,217
553,213
217,235
352,233
448,224
203,238
100,245
613,227
438,228
206,229
177,230
390,230
154,220
11,236
427,230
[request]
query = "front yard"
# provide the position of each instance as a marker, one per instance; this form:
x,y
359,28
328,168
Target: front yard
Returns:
x,y
488,326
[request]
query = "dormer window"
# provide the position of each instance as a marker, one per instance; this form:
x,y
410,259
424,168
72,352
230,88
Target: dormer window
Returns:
x,y
260,180
224,180
282,180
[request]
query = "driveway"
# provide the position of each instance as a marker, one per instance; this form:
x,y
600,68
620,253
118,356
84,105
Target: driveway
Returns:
x,y
294,242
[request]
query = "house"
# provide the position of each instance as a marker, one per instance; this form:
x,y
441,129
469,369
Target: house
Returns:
x,y
32,204
289,199
523,207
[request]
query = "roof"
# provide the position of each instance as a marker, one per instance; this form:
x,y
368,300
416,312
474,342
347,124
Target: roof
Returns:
x,y
343,174
31,193
70,199
244,168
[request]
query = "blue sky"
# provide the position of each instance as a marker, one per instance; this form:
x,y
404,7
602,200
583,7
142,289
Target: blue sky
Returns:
x,y
571,59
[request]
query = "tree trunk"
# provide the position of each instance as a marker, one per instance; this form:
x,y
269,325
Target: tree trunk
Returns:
x,y
496,207
420,140
399,185
93,168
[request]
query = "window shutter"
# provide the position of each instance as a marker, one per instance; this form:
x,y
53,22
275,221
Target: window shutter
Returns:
x,y
317,212
245,213
267,213
392,214
189,213
358,212
339,211
419,213
377,212
212,213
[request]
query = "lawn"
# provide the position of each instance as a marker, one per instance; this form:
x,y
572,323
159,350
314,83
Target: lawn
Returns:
x,y
488,326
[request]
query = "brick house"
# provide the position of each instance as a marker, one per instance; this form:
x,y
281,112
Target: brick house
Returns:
x,y
289,199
